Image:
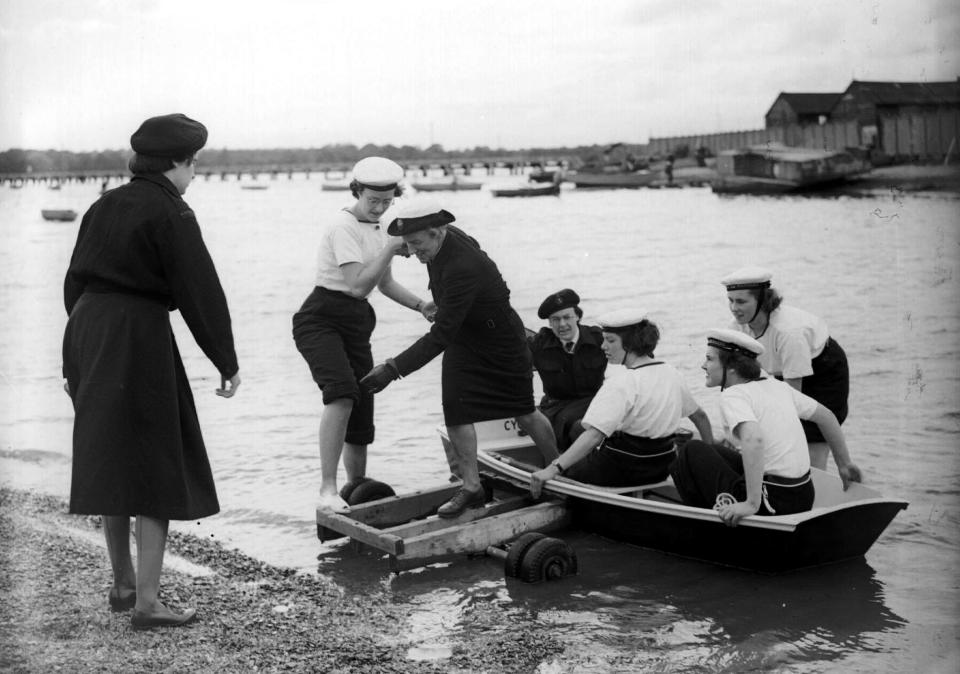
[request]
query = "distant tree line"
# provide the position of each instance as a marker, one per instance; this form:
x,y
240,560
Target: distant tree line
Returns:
x,y
23,161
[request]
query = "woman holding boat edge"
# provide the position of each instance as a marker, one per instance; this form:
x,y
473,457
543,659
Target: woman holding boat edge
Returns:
x,y
764,466
137,445
797,345
631,423
332,329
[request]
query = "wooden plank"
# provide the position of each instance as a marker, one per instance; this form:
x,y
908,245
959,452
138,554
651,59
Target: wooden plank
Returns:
x,y
422,527
360,532
385,512
476,536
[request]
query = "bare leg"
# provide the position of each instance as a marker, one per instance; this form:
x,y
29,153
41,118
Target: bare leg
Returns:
x,y
464,445
116,529
333,430
451,459
538,427
819,451
355,460
151,543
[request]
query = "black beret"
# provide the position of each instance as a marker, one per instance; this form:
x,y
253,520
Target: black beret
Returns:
x,y
562,299
174,136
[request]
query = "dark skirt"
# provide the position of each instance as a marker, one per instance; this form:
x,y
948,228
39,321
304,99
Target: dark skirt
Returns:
x,y
476,388
137,447
624,460
702,472
829,385
332,332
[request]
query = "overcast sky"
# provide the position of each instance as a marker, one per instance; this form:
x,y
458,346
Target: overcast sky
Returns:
x,y
81,74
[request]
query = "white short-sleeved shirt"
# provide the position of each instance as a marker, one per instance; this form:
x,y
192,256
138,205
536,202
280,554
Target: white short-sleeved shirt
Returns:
x,y
647,402
345,240
777,407
791,341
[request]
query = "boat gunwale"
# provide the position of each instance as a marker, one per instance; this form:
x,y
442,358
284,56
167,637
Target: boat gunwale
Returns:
x,y
566,487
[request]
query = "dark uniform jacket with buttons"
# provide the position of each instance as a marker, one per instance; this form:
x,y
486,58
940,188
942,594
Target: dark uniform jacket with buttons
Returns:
x,y
569,376
137,446
487,372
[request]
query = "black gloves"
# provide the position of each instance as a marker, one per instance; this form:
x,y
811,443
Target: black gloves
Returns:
x,y
380,376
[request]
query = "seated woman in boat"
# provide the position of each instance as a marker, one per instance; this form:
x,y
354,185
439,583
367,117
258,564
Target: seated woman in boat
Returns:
x,y
797,348
629,427
764,467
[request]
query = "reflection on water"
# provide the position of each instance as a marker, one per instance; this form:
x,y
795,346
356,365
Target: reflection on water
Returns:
x,y
883,272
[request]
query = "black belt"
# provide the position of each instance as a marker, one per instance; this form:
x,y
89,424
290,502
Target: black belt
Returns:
x,y
341,294
781,481
640,447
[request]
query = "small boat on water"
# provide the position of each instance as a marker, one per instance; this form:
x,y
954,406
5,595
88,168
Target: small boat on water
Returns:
x,y
778,169
254,187
611,179
58,215
842,524
334,187
539,190
454,185
543,176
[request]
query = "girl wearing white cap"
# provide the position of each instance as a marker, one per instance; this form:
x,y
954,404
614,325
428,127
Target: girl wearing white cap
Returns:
x,y
630,425
797,347
332,329
764,467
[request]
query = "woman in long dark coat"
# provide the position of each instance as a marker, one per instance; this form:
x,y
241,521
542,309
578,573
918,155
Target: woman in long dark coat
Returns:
x,y
137,447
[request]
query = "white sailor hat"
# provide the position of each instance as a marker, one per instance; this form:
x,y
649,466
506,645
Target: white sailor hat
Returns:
x,y
416,214
748,277
620,318
734,341
378,173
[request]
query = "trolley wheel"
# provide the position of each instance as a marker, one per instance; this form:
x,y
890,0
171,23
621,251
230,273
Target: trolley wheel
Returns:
x,y
547,559
371,490
348,488
516,551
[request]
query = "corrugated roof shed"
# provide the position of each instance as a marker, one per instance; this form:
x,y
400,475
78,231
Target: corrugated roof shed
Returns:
x,y
810,104
905,93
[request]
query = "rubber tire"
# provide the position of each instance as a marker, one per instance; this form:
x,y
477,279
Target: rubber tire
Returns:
x,y
371,490
348,488
547,559
516,551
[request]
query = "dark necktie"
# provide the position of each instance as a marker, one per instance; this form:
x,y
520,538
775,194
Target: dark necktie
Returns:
x,y
568,347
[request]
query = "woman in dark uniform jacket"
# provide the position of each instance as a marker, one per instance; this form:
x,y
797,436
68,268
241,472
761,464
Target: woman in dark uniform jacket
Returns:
x,y
571,363
487,372
137,447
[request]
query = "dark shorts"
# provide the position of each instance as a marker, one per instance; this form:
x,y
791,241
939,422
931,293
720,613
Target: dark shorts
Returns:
x,y
829,385
703,471
332,332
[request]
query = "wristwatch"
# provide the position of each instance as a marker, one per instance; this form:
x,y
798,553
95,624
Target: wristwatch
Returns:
x,y
556,464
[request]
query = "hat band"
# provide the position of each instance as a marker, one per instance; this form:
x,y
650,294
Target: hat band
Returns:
x,y
732,348
377,188
747,286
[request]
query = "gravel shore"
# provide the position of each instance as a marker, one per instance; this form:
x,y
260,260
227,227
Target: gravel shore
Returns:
x,y
54,579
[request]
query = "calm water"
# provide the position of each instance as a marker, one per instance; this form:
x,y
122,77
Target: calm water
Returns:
x,y
884,272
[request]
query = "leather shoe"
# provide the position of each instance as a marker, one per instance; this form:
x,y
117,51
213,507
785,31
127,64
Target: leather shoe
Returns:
x,y
144,621
120,602
461,501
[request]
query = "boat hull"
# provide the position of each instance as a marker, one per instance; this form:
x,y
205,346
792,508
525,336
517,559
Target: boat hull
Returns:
x,y
58,215
842,524
446,187
825,539
613,180
533,191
